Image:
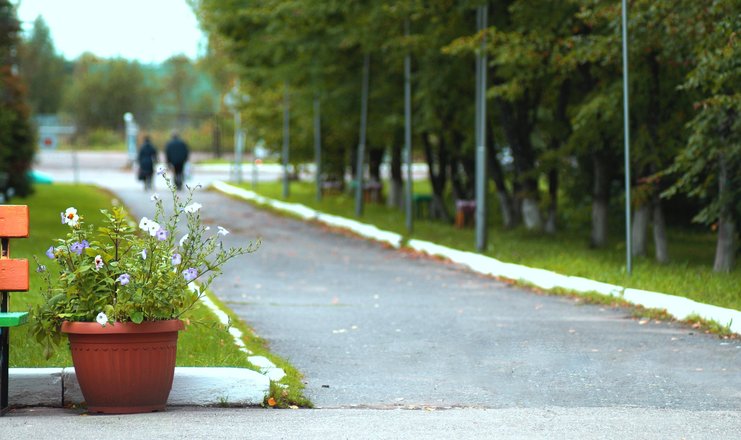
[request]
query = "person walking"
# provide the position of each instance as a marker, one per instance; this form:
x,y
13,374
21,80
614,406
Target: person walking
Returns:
x,y
177,155
147,159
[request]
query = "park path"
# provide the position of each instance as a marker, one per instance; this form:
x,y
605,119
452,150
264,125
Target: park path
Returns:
x,y
375,328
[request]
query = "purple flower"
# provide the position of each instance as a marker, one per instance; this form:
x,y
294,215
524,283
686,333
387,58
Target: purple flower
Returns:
x,y
176,259
41,268
50,252
85,244
161,234
124,279
64,219
161,170
143,253
77,248
190,274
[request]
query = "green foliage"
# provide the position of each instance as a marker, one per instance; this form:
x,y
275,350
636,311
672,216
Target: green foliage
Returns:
x,y
103,90
715,136
42,69
114,274
17,144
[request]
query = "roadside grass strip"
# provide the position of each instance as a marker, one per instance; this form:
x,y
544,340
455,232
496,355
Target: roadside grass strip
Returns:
x,y
681,308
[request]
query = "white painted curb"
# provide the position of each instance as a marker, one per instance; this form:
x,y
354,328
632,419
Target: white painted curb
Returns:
x,y
190,386
677,306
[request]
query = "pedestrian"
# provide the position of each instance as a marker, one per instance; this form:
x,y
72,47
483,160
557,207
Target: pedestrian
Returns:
x,y
147,160
177,156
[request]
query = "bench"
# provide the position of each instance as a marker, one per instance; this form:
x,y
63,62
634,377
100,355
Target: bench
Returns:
x,y
13,277
464,213
421,204
334,187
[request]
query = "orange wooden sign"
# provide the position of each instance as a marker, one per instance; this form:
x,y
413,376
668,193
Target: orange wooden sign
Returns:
x,y
13,221
14,275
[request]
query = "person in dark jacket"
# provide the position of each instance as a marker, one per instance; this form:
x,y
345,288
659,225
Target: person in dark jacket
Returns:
x,y
177,154
147,159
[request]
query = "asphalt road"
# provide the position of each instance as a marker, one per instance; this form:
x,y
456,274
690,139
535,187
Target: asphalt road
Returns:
x,y
393,343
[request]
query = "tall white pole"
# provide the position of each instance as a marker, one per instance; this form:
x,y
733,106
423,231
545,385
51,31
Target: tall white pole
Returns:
x,y
626,128
408,135
481,177
286,141
318,147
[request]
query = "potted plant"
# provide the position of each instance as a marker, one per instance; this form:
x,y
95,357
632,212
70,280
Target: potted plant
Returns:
x,y
118,292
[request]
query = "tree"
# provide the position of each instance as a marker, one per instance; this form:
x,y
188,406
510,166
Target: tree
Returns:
x,y
103,90
42,69
709,167
16,137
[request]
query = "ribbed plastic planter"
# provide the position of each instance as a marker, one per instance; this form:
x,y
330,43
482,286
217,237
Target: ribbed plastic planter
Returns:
x,y
124,368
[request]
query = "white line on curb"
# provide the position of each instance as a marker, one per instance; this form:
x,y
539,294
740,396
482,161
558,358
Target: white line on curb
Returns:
x,y
677,306
266,367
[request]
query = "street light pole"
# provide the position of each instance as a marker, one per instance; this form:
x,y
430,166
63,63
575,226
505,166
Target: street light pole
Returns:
x,y
318,147
626,128
481,178
286,141
408,135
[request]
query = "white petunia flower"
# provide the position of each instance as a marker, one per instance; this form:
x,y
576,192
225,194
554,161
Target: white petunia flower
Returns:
x,y
222,231
153,227
102,319
71,217
99,262
193,207
144,224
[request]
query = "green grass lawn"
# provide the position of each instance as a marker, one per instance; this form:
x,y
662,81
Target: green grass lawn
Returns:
x,y
688,274
204,342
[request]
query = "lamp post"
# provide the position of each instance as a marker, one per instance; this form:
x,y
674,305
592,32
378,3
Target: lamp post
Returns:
x,y
626,128
132,130
234,100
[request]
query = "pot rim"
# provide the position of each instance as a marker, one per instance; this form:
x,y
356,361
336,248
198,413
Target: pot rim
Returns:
x,y
76,327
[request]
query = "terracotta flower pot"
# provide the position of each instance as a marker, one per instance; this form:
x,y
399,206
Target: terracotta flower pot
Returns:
x,y
124,368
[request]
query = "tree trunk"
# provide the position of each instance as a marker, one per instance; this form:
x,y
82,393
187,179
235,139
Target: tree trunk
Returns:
x,y
725,250
497,174
639,234
396,192
661,247
531,214
437,165
600,201
550,223
375,157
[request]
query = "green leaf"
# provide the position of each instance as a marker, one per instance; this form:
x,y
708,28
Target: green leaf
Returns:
x,y
136,317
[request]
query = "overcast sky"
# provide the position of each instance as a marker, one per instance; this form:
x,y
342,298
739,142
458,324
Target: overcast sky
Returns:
x,y
145,30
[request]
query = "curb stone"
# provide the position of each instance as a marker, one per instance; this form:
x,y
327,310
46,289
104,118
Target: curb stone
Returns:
x,y
677,306
202,386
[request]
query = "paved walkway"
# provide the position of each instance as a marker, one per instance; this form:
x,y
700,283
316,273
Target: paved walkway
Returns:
x,y
375,328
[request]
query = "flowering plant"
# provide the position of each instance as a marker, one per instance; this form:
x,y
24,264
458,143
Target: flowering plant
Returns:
x,y
128,272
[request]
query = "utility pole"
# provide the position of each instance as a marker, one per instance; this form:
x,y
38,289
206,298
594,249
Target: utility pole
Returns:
x,y
318,147
481,177
408,135
626,128
286,141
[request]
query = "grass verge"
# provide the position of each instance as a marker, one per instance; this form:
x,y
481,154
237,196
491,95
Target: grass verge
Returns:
x,y
689,273
204,342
